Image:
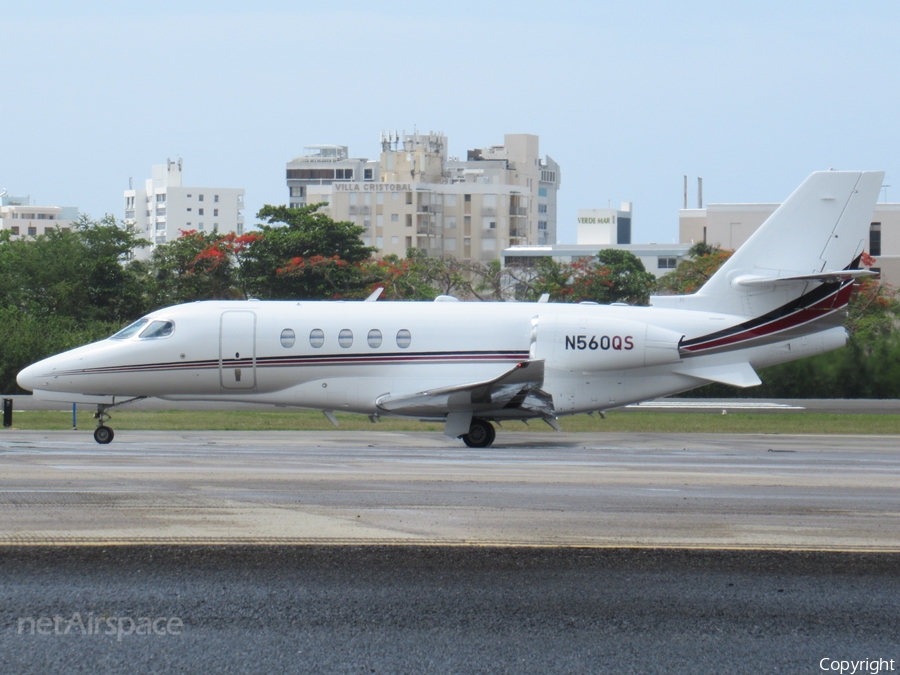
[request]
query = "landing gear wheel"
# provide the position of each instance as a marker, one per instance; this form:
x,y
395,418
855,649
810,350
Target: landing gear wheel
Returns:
x,y
103,435
481,434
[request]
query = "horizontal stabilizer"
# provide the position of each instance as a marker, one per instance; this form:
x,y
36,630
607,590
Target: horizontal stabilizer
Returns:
x,y
736,374
824,277
471,396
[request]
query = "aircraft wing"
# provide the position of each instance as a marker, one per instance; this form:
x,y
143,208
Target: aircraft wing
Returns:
x,y
517,387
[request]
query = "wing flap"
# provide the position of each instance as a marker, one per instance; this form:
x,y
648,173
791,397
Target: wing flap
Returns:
x,y
470,396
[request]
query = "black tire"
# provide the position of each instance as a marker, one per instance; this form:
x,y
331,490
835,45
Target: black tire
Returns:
x,y
481,434
103,435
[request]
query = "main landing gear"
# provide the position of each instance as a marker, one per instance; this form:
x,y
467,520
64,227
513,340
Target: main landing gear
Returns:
x,y
481,434
103,434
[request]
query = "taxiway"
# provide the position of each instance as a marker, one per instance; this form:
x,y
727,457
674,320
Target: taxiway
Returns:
x,y
693,490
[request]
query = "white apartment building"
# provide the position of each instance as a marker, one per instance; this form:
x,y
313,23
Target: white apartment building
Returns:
x,y
728,226
165,207
416,196
24,220
605,226
599,230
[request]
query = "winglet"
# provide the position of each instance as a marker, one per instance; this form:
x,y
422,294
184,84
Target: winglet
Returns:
x,y
375,294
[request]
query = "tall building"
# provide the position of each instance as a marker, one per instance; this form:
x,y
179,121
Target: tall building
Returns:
x,y
323,165
417,196
165,207
23,219
605,226
728,226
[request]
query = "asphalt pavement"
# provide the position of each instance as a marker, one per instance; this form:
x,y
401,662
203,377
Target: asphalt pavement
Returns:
x,y
346,609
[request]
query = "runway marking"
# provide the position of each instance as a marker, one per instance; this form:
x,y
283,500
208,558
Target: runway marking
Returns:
x,y
721,405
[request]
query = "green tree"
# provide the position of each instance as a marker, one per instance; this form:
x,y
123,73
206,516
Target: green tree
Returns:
x,y
198,266
613,275
409,278
84,273
302,253
545,275
702,262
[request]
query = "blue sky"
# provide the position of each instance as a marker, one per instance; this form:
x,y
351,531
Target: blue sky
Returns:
x,y
627,97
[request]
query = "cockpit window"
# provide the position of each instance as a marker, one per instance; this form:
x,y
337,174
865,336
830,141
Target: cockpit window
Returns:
x,y
129,330
158,329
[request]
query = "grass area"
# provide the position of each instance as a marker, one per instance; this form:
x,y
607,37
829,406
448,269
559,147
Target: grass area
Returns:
x,y
798,422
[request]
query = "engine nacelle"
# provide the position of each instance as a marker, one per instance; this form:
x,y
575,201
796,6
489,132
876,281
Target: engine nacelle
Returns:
x,y
593,344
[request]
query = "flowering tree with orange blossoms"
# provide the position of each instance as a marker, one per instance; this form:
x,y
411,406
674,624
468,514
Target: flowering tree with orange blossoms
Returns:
x,y
611,276
199,266
301,253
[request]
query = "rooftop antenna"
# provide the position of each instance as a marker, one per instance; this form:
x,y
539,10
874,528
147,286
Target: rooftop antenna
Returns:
x,y
885,187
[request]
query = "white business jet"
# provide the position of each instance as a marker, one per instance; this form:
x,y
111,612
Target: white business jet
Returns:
x,y
781,296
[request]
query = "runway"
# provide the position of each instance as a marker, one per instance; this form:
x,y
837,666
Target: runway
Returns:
x,y
603,490
348,552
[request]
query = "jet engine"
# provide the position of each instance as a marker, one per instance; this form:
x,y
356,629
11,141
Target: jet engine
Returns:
x,y
592,344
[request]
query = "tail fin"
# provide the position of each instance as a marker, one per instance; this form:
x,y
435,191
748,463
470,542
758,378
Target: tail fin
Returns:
x,y
814,237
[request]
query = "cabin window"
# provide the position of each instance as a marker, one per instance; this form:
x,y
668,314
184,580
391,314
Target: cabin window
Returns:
x,y
316,338
158,329
287,338
374,338
130,330
345,338
404,338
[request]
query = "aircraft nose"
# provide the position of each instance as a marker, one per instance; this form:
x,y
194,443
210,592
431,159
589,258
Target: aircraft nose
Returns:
x,y
26,378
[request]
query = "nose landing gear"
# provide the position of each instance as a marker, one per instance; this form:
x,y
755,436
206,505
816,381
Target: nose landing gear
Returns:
x,y
103,434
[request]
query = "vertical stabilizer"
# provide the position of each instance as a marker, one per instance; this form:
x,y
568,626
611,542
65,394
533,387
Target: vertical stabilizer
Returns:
x,y
822,227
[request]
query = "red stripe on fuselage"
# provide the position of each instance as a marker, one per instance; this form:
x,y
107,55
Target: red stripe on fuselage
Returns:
x,y
827,305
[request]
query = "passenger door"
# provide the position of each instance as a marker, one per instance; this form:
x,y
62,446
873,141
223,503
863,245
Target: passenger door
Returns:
x,y
237,349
